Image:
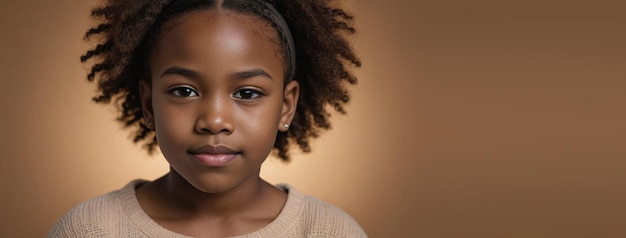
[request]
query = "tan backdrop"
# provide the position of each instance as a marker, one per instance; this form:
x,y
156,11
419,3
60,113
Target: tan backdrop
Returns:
x,y
471,119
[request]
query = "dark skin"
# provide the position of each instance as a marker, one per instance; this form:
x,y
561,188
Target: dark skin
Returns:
x,y
216,100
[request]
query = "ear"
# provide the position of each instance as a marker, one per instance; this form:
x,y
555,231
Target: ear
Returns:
x,y
290,102
145,95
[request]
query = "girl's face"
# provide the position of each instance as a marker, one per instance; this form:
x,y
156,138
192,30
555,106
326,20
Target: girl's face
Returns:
x,y
217,97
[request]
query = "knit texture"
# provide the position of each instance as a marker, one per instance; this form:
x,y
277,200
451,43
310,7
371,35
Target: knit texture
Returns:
x,y
118,214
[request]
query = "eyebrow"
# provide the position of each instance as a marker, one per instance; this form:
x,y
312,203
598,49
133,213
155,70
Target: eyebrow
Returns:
x,y
251,74
181,71
239,75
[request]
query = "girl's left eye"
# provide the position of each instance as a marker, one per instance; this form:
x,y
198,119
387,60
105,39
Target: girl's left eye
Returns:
x,y
247,94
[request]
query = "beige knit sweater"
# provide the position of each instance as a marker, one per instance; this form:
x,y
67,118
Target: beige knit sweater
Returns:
x,y
118,214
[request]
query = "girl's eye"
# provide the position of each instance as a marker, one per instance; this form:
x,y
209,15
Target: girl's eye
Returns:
x,y
247,94
183,92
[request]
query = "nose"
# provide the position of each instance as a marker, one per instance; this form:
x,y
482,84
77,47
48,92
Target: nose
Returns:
x,y
215,116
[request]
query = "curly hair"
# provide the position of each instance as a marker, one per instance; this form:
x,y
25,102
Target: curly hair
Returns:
x,y
127,29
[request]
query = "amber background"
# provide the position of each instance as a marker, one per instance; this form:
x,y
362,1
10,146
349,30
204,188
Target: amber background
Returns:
x,y
471,119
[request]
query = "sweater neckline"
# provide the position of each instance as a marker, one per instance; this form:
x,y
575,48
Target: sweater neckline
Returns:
x,y
285,220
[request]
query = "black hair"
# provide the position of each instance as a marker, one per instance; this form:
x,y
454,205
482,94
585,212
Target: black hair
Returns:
x,y
127,30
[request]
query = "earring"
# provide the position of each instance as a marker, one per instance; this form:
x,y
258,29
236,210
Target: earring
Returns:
x,y
149,125
286,126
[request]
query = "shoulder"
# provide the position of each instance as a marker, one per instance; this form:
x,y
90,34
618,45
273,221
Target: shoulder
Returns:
x,y
330,220
95,217
321,219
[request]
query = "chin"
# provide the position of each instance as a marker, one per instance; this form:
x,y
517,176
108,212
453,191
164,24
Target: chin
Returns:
x,y
214,185
214,181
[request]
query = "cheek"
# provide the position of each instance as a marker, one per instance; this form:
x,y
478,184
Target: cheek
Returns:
x,y
171,122
261,122
259,119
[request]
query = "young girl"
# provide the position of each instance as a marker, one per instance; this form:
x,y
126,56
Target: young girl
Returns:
x,y
218,85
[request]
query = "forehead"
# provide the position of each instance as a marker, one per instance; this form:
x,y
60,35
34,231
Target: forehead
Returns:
x,y
217,41
221,19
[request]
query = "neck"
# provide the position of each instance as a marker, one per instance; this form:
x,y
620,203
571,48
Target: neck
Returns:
x,y
192,202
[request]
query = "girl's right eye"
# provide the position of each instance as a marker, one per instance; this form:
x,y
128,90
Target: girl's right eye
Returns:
x,y
183,92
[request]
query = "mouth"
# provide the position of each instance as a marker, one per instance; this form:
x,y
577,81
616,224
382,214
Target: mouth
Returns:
x,y
214,156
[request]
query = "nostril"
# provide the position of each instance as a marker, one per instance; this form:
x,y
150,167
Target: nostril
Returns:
x,y
206,130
